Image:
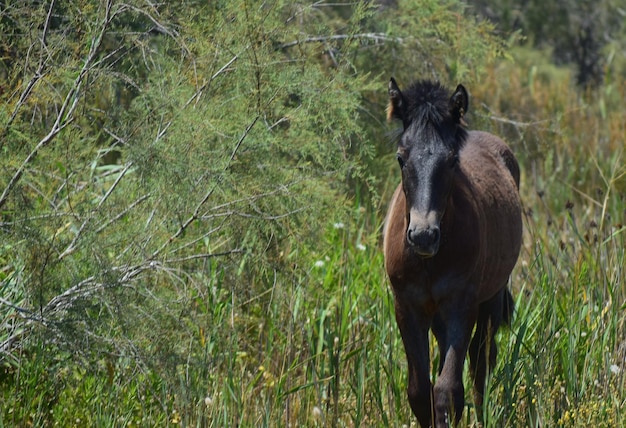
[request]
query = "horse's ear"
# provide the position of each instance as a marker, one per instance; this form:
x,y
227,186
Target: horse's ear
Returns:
x,y
459,102
395,108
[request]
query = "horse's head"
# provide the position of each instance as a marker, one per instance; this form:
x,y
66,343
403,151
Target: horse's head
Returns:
x,y
428,154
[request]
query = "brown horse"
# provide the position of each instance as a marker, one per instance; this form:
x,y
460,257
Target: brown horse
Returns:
x,y
451,238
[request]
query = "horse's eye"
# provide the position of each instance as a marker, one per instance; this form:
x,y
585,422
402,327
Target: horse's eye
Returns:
x,y
400,160
454,161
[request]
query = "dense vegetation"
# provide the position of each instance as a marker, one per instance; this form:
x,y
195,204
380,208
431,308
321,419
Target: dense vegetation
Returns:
x,y
191,196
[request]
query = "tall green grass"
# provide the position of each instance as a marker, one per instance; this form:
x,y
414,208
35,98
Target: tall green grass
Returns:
x,y
326,351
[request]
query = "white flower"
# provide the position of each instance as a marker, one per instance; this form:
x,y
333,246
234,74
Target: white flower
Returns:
x,y
615,369
361,247
208,401
339,225
317,412
319,263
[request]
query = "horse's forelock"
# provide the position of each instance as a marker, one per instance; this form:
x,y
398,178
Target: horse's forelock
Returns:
x,y
429,106
427,102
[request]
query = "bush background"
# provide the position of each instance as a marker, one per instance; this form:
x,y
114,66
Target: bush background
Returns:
x,y
192,196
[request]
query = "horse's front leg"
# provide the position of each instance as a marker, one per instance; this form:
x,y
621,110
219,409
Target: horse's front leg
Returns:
x,y
414,331
455,327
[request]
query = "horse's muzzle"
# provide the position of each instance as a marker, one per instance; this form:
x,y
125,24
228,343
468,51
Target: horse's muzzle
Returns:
x,y
425,241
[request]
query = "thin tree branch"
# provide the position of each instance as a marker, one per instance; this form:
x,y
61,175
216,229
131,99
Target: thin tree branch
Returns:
x,y
39,74
518,124
82,290
215,75
280,189
206,255
377,37
44,33
14,306
65,115
72,246
196,213
123,212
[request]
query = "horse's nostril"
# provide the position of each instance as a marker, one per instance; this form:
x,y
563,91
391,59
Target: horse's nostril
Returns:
x,y
435,232
413,236
409,236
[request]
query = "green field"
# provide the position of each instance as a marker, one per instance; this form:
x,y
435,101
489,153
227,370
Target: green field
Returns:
x,y
191,206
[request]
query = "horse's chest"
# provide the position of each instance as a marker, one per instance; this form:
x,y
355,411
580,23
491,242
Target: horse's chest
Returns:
x,y
426,289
